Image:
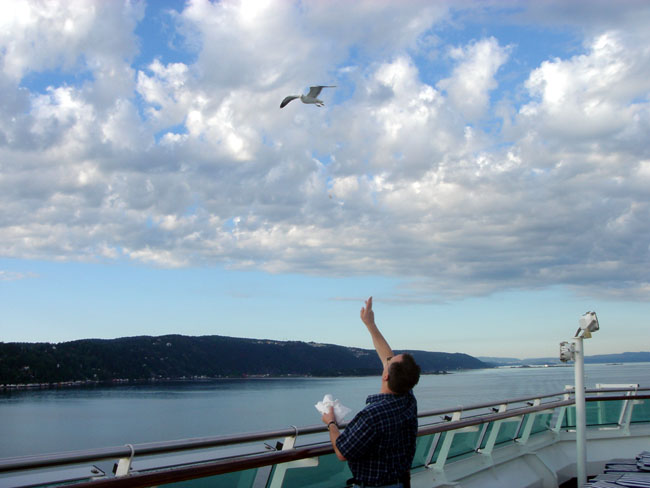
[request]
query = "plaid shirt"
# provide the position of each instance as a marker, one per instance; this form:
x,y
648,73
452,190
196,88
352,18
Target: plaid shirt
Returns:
x,y
379,442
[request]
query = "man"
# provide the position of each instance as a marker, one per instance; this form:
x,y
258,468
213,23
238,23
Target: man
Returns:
x,y
379,442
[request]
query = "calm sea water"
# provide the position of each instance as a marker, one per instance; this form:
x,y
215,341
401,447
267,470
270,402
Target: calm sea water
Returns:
x,y
33,422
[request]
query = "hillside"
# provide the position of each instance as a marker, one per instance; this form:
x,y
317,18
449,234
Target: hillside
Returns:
x,y
177,356
624,357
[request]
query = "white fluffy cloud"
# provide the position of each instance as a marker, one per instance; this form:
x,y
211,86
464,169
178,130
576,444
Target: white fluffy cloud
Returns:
x,y
447,182
593,94
473,77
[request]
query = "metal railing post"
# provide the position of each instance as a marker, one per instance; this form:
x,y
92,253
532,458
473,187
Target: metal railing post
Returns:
x,y
124,464
494,433
446,444
281,469
528,426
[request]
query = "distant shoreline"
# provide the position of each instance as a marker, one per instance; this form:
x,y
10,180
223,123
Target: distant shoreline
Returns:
x,y
128,382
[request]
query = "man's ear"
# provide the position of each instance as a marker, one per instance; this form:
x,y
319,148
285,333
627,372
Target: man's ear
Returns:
x,y
384,376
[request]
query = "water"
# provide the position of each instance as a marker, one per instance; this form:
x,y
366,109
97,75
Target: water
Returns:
x,y
33,422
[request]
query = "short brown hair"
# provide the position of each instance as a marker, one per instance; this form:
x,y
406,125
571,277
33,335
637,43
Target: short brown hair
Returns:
x,y
403,375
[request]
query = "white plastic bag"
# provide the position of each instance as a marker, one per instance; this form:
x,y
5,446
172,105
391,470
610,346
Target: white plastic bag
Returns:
x,y
340,411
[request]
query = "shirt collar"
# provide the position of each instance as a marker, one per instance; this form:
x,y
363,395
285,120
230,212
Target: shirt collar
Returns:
x,y
378,397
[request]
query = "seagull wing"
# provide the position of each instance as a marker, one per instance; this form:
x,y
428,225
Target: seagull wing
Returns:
x,y
287,100
314,91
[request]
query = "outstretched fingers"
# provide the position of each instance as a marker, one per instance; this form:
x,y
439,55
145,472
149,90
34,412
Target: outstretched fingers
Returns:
x,y
367,315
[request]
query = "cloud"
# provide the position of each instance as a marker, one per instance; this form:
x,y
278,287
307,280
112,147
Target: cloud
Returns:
x,y
16,275
589,95
472,79
450,184
71,36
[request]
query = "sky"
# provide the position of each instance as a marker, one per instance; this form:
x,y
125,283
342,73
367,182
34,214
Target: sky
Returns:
x,y
481,168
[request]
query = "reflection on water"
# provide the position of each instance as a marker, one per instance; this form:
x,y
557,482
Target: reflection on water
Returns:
x,y
69,419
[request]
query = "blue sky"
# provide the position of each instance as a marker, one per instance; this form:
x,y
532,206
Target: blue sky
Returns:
x,y
481,169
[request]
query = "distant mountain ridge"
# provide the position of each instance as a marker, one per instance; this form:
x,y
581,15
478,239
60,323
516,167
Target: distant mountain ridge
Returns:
x,y
183,357
624,357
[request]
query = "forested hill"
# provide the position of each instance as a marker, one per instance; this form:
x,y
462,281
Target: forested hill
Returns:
x,y
177,356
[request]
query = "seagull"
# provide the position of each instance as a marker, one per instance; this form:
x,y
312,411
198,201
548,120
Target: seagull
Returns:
x,y
314,91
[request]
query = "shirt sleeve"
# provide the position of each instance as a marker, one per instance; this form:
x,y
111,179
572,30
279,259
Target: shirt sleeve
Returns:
x,y
357,437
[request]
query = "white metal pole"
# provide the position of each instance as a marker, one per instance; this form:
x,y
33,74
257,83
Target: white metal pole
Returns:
x,y
581,414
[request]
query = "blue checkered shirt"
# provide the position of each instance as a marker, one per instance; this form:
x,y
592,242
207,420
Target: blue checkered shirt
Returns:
x,y
379,442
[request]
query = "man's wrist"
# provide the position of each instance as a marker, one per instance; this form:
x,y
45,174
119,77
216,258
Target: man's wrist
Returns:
x,y
330,423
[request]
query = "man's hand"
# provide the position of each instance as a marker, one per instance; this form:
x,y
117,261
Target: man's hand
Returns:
x,y
367,315
334,431
329,416
381,346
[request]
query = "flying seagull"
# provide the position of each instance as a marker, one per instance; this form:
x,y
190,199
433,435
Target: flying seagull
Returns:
x,y
314,91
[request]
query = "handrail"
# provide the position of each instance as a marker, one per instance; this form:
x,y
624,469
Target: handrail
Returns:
x,y
477,406
144,449
249,461
609,390
617,397
481,419
491,417
212,468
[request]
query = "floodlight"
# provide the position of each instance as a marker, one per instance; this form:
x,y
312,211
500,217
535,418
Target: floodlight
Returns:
x,y
567,351
588,324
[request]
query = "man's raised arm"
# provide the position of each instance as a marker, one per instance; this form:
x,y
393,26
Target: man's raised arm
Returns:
x,y
381,346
